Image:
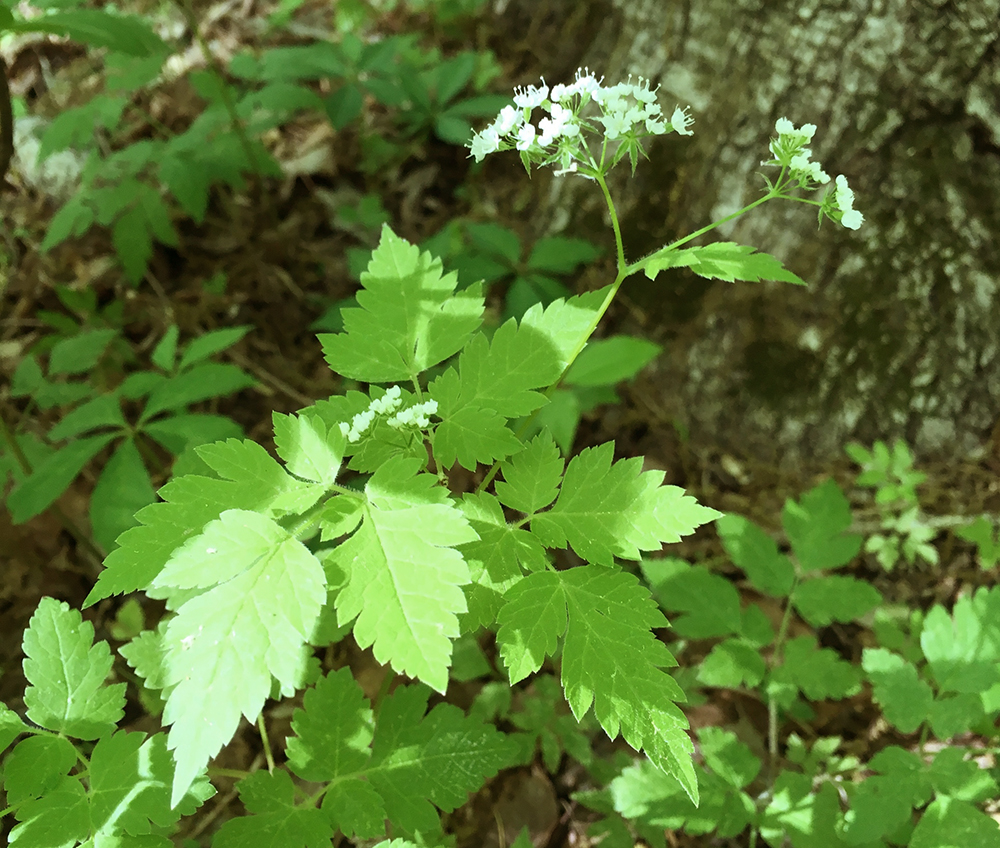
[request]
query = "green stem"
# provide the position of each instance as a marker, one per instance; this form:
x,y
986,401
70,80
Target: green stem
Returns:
x,y
262,728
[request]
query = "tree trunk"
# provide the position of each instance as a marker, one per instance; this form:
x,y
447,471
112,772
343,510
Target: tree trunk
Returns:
x,y
897,333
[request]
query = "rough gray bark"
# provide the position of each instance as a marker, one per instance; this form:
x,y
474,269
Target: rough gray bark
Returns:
x,y
897,334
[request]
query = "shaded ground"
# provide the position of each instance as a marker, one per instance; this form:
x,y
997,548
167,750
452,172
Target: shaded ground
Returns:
x,y
284,257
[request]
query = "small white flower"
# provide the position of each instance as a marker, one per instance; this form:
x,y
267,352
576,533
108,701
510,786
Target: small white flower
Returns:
x,y
844,198
507,120
530,97
680,121
525,136
783,126
561,92
484,143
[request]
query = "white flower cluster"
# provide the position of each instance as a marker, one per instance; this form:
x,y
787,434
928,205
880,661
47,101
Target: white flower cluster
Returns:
x,y
414,416
628,111
389,403
844,198
790,151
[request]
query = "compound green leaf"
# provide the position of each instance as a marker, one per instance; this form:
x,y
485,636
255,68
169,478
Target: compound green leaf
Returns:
x,y
818,672
101,411
253,481
36,766
410,316
953,775
403,575
950,823
817,525
964,648
531,478
884,803
724,260
727,757
52,477
224,645
66,673
200,382
835,598
130,778
80,352
710,602
333,730
11,726
310,449
905,699
808,818
126,34
606,510
276,820
122,490
731,664
439,758
60,818
606,617
757,554
496,560
953,714
210,343
983,533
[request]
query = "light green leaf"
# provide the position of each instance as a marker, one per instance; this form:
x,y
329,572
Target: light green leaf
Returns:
x,y
122,490
410,316
52,477
905,698
953,775
254,481
61,818
724,260
606,617
882,804
964,648
36,766
731,664
496,560
403,574
983,533
66,673
727,757
606,510
309,448
11,726
835,598
757,554
531,478
950,823
816,528
808,817
79,353
604,362
264,595
954,714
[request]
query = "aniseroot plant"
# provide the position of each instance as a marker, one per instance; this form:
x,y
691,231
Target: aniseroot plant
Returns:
x,y
359,528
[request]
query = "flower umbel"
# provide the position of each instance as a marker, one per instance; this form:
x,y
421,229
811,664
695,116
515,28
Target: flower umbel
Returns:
x,y
795,160
626,114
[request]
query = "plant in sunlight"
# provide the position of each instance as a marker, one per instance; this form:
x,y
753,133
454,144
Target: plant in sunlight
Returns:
x,y
363,524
